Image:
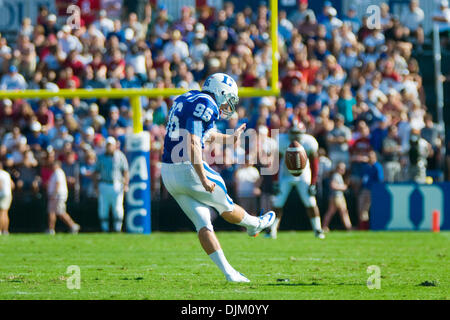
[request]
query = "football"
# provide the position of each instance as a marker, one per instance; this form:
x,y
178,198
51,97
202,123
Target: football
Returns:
x,y
296,158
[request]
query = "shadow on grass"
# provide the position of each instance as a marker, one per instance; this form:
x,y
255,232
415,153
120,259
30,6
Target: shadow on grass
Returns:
x,y
288,284
311,284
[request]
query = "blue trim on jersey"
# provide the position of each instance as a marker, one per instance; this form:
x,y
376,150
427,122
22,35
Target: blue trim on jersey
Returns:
x,y
202,95
222,186
210,170
186,115
196,96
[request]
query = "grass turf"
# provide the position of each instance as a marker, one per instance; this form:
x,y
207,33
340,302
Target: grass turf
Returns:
x,y
173,266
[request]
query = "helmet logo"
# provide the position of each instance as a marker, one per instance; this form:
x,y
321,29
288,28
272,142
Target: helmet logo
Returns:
x,y
226,80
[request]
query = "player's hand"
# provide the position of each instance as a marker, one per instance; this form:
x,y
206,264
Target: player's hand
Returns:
x,y
208,185
256,192
238,132
312,190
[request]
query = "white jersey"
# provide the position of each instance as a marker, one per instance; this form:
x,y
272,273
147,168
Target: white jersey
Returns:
x,y
57,186
5,184
310,145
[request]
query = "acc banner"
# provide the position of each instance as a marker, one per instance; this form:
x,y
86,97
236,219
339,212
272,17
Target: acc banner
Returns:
x,y
138,217
409,206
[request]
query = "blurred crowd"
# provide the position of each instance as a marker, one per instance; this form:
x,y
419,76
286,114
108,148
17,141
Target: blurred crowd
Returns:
x,y
356,88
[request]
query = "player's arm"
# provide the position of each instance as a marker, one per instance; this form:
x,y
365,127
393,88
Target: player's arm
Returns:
x,y
197,162
338,187
217,137
126,173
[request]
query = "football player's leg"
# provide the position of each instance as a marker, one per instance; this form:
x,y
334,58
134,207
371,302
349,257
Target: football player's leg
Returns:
x,y
4,221
343,212
5,204
310,204
231,212
103,207
51,214
278,203
330,214
62,215
200,216
118,211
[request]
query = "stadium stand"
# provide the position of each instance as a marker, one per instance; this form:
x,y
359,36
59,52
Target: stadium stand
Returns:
x,y
331,69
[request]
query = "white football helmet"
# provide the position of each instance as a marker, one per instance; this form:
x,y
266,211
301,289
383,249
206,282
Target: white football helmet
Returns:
x,y
225,90
296,131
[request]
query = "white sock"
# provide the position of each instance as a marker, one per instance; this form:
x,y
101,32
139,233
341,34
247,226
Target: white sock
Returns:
x,y
315,223
249,221
219,259
274,227
118,226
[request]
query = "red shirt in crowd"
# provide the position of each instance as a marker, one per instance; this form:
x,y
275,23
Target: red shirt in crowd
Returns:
x,y
360,148
89,10
286,82
64,83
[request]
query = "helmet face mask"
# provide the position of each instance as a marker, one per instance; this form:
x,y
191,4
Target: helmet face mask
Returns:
x,y
231,103
296,132
295,136
225,92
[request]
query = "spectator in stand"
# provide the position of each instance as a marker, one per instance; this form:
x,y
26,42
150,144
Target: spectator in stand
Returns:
x,y
299,16
431,134
49,22
27,179
442,18
176,46
346,104
372,174
337,200
67,41
71,169
419,151
352,18
386,17
6,186
57,197
412,19
13,80
359,151
5,53
87,171
391,155
323,176
104,24
247,185
338,141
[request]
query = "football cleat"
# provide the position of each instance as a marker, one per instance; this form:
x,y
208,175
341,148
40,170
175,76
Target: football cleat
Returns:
x,y
75,229
265,221
319,234
236,277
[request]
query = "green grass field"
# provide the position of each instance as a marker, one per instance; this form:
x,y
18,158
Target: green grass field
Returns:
x,y
172,266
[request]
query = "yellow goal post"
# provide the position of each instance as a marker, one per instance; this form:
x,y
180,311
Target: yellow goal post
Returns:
x,y
135,94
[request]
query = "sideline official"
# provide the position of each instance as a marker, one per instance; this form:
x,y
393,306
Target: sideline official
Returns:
x,y
112,177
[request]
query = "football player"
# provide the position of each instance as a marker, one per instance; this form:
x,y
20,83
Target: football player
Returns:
x,y
305,184
194,185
